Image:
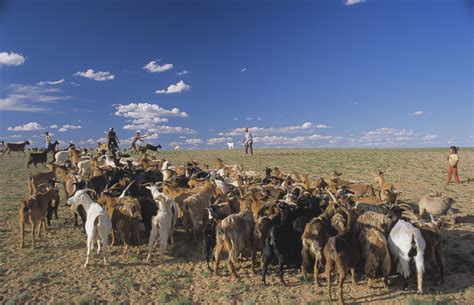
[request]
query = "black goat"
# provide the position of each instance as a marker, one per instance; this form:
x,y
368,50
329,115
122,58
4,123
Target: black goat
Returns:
x,y
36,158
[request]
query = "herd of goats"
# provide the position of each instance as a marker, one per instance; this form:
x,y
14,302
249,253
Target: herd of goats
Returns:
x,y
294,220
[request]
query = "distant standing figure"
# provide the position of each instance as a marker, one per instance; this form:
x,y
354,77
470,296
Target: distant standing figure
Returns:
x,y
47,140
248,141
136,138
453,160
112,138
230,145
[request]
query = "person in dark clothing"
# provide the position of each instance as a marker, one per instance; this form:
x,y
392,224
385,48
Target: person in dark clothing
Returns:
x,y
112,139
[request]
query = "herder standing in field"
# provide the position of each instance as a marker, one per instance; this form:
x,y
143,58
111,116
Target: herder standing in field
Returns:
x,y
136,138
112,139
47,140
248,141
453,160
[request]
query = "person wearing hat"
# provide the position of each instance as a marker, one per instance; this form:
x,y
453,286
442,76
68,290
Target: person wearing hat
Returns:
x,y
112,138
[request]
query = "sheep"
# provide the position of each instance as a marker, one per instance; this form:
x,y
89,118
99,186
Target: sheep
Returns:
x,y
18,147
374,252
437,205
34,210
230,145
163,223
36,158
406,242
314,238
98,225
235,234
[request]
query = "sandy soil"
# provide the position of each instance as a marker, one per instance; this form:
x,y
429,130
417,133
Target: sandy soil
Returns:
x,y
53,273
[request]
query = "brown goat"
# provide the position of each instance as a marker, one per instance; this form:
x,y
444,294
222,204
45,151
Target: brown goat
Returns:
x,y
374,252
342,249
33,211
315,237
235,234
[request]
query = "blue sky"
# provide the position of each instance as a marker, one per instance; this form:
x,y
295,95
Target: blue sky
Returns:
x,y
298,73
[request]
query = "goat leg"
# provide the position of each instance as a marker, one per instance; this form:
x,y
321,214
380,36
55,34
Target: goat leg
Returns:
x,y
405,283
353,277
151,241
22,233
316,271
266,261
328,275
218,252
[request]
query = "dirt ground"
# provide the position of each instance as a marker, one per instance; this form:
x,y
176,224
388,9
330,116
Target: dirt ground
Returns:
x,y
53,273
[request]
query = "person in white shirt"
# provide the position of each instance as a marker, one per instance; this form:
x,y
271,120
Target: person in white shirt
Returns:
x,y
248,141
47,140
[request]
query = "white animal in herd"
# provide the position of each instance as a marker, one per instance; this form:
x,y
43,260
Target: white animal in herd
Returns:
x,y
98,224
176,147
230,145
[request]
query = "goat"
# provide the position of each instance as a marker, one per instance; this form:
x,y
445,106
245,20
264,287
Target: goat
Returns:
x,y
235,234
406,242
374,252
314,238
163,223
230,145
195,205
36,158
343,250
143,149
433,254
380,180
18,147
98,224
437,205
34,210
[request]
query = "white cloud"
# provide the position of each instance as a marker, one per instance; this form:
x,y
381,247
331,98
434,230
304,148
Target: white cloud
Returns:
x,y
249,118
147,114
303,128
184,72
52,82
175,88
27,98
430,137
67,127
214,141
11,59
75,84
284,140
153,67
172,129
15,136
27,127
98,76
193,141
243,69
352,2
353,103
417,113
54,126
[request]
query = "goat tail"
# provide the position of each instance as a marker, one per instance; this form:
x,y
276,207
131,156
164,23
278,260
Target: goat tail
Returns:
x,y
386,262
419,258
233,252
371,263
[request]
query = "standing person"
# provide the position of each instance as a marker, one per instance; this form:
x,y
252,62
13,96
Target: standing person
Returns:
x,y
453,160
248,141
136,138
47,140
112,139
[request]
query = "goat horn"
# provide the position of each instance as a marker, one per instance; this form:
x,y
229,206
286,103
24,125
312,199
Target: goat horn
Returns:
x,y
332,196
89,190
126,189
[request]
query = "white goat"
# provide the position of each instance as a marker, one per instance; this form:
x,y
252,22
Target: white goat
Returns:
x,y
61,156
163,223
108,161
176,147
406,242
230,145
98,224
85,168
